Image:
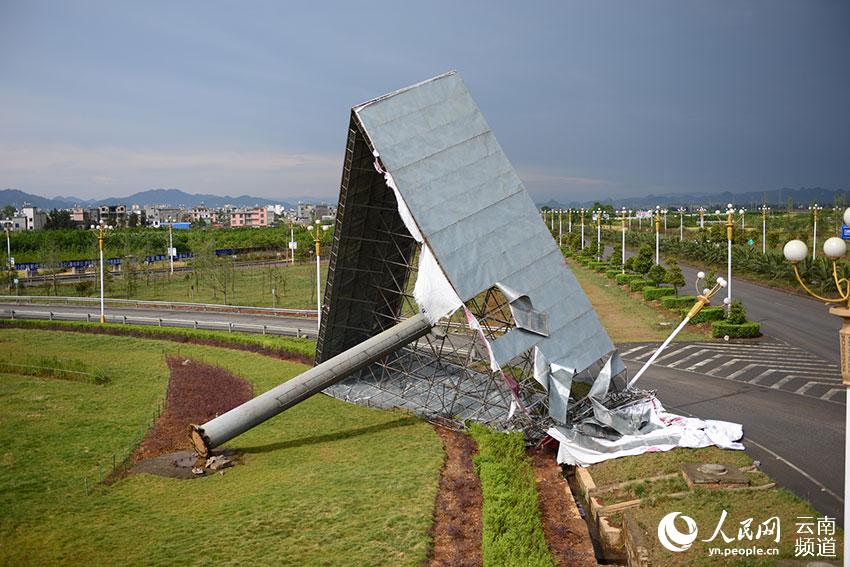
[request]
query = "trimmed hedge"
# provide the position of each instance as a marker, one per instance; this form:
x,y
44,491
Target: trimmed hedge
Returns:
x,y
707,314
746,330
613,273
598,266
678,301
650,293
637,285
624,279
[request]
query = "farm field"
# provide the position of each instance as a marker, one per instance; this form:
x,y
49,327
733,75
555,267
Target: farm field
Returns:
x,y
325,483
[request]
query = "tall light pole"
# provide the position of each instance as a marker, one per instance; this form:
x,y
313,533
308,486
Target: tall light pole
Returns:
x,y
100,231
170,249
664,212
560,227
630,218
764,209
552,220
730,212
623,222
815,208
834,248
582,228
657,234
318,241
570,220
7,226
599,235
743,213
681,223
702,217
292,244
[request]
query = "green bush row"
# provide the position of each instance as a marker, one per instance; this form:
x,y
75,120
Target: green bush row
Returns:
x,y
746,330
706,314
611,274
678,301
624,279
650,293
638,285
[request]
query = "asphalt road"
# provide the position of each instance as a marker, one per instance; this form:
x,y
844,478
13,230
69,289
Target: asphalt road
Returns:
x,y
795,319
799,440
176,318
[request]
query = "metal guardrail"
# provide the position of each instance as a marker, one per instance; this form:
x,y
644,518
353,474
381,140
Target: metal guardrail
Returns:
x,y
161,322
172,305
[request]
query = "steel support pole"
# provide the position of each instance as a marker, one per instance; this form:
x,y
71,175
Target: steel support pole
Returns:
x,y
102,316
265,406
815,238
170,250
560,228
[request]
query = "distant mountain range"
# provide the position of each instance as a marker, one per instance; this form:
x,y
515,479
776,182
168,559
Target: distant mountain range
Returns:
x,y
176,197
751,199
171,197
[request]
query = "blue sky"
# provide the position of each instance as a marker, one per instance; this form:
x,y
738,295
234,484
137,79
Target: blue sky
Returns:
x,y
603,98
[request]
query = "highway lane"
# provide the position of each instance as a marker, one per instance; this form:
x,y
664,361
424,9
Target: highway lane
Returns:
x,y
799,440
795,319
175,318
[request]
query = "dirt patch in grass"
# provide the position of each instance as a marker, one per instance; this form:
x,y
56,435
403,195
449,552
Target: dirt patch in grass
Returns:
x,y
197,392
565,530
457,513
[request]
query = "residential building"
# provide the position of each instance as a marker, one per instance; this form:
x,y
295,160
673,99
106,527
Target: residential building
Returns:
x,y
85,216
35,219
308,212
158,214
113,215
256,217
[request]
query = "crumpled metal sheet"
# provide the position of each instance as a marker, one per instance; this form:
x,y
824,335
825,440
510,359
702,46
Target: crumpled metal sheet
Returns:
x,y
473,212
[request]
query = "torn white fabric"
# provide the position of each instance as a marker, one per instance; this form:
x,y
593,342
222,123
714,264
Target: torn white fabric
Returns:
x,y
433,292
673,431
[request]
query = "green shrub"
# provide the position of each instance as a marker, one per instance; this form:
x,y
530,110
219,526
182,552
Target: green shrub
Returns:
x,y
643,261
737,314
656,274
706,314
637,285
674,275
678,301
746,330
650,293
512,533
624,279
602,267
613,273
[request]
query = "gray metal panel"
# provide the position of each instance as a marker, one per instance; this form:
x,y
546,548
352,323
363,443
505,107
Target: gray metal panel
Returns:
x,y
476,216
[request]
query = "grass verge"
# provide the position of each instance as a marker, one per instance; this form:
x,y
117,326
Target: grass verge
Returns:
x,y
626,319
324,483
512,530
287,347
703,505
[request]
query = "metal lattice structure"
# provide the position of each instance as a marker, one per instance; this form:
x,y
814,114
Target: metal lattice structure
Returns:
x,y
449,373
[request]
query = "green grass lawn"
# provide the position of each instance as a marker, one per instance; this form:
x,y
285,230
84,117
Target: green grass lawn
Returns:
x,y
325,483
628,319
295,287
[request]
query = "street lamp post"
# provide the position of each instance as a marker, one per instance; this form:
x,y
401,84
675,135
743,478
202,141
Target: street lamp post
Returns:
x,y
764,210
318,242
702,217
815,208
834,248
598,235
657,234
730,211
630,218
170,250
664,212
292,244
560,228
582,228
743,213
7,226
100,230
570,220
681,223
623,259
